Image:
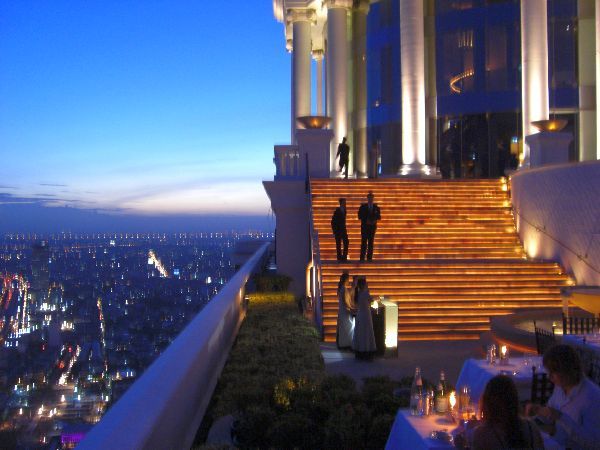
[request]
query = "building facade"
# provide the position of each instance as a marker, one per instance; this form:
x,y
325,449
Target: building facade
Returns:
x,y
414,83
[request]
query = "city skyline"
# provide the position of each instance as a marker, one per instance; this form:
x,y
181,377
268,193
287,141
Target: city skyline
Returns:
x,y
153,111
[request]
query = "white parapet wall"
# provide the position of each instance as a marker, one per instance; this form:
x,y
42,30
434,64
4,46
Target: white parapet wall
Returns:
x,y
290,203
557,212
164,407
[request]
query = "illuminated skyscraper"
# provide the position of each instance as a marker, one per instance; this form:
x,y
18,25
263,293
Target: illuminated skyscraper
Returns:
x,y
40,272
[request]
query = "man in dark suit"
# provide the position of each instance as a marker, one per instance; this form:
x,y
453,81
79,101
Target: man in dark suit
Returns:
x,y
338,225
368,213
344,153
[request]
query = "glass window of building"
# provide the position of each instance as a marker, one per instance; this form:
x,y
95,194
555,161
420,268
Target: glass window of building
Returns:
x,y
454,5
457,62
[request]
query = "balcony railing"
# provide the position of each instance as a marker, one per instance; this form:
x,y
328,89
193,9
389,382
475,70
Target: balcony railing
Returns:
x,y
164,407
287,163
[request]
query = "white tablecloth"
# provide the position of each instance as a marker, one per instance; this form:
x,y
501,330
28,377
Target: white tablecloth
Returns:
x,y
475,373
592,342
412,433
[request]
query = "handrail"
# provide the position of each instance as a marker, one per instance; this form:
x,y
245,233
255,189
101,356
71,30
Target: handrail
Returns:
x,y
164,407
542,229
316,257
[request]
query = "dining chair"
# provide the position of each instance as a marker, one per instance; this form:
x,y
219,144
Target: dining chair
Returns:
x,y
541,387
580,325
544,339
593,371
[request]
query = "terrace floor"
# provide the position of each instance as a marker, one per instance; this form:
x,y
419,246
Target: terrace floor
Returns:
x,y
430,356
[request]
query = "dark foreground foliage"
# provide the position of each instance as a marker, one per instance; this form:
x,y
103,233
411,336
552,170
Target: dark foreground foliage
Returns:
x,y
275,385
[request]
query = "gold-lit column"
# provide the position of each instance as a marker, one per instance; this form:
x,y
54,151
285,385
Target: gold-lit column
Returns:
x,y
534,67
412,57
586,73
318,57
337,71
301,22
597,78
359,60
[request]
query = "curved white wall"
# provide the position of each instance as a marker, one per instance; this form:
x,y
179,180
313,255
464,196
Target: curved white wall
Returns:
x,y
557,211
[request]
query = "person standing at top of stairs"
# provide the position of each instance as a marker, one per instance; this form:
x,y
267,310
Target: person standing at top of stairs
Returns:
x,y
368,213
344,153
338,225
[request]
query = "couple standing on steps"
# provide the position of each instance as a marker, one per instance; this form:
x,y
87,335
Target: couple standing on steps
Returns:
x,y
368,214
354,324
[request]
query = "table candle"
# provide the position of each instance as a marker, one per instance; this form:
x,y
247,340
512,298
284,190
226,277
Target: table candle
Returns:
x,y
452,400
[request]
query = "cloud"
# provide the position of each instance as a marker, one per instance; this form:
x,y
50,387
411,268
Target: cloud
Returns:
x,y
39,199
227,197
53,184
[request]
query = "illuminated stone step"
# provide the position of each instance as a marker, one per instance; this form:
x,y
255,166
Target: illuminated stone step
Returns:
x,y
399,216
448,255
410,292
505,300
515,263
418,203
381,285
406,246
381,268
421,243
377,280
456,302
331,316
433,240
408,227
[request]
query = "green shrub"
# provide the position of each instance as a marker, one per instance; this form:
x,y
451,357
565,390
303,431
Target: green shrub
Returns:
x,y
347,427
291,430
272,283
249,429
380,430
275,384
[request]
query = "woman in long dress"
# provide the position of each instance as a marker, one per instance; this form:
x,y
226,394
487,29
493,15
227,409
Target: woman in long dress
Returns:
x,y
363,342
345,321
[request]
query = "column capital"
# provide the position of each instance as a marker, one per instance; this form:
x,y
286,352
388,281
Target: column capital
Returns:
x,y
362,6
301,15
318,55
346,4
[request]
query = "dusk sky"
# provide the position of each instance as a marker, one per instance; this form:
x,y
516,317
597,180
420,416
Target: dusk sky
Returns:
x,y
146,107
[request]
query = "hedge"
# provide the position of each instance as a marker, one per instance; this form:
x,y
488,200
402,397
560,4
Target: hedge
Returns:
x,y
275,386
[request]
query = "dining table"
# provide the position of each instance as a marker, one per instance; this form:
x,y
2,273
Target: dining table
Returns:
x,y
414,432
475,374
589,342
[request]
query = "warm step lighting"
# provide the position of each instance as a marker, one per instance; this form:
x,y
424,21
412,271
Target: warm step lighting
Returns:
x,y
446,252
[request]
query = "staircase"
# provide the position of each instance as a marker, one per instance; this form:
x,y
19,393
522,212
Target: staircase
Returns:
x,y
446,252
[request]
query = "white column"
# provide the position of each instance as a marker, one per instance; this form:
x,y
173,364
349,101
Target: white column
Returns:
x,y
359,62
318,57
292,107
337,70
412,58
586,73
301,22
534,67
597,78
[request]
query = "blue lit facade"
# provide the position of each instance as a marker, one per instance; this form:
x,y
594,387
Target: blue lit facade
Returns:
x,y
473,85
